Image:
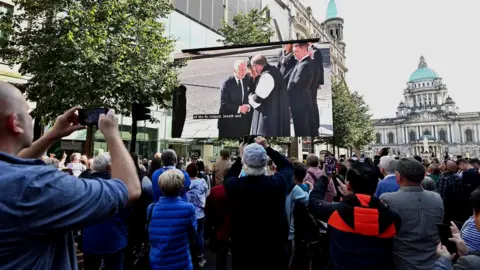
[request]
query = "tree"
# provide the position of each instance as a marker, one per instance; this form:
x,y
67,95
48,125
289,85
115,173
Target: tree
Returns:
x,y
343,110
248,28
362,126
91,53
351,119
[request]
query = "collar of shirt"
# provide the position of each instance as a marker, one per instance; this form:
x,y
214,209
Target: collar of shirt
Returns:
x,y
390,175
308,55
169,167
412,188
15,160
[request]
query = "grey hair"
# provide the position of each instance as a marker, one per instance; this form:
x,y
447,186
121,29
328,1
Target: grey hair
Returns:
x,y
75,156
169,158
101,162
388,163
255,171
237,64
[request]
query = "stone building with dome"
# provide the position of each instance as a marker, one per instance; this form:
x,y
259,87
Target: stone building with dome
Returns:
x,y
427,118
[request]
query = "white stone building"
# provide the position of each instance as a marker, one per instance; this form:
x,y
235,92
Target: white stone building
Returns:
x,y
428,113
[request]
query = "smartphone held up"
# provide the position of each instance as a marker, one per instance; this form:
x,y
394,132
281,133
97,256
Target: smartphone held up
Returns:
x,y
90,117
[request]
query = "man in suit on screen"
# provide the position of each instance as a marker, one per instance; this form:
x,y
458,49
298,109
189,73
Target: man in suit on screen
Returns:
x,y
234,101
299,91
286,61
318,80
270,101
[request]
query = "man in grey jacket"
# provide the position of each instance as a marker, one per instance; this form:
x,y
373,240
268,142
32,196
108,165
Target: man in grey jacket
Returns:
x,y
415,244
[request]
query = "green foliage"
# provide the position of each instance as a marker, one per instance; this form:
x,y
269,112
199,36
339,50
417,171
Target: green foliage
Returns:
x,y
362,126
351,119
248,28
106,53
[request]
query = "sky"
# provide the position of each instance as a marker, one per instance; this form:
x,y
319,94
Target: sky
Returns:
x,y
385,39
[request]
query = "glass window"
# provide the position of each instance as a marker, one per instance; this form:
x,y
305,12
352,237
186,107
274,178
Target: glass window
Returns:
x,y
469,135
218,14
412,136
207,12
180,5
212,38
198,35
390,138
180,29
258,4
427,132
378,138
194,9
242,6
233,6
443,135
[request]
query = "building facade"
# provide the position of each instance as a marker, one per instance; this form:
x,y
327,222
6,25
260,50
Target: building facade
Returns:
x,y
427,121
195,24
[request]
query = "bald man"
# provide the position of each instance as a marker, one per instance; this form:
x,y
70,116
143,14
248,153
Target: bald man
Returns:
x,y
271,115
234,103
40,205
454,199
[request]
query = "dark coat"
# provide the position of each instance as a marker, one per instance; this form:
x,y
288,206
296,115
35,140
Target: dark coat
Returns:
x,y
271,118
231,100
286,64
259,226
360,228
317,81
179,112
301,103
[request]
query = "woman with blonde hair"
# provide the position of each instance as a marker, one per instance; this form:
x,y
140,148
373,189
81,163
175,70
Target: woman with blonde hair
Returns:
x,y
173,224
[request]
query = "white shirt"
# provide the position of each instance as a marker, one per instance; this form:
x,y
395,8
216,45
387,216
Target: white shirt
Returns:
x,y
264,87
243,92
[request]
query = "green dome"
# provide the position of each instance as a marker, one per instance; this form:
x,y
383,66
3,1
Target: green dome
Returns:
x,y
423,72
332,10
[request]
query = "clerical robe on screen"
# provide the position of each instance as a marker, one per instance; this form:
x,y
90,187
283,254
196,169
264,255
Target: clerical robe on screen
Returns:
x,y
271,115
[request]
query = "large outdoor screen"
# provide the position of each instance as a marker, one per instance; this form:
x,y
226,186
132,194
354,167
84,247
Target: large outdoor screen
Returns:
x,y
262,91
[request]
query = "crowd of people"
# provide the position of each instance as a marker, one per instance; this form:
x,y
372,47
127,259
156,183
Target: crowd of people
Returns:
x,y
266,210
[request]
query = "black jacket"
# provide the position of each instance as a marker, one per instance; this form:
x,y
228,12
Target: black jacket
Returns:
x,y
259,226
286,64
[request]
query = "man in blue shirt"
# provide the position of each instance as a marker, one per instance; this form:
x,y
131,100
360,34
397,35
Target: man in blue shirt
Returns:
x,y
40,205
169,160
389,183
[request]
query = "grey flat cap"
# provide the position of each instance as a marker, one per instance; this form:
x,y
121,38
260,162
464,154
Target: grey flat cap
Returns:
x,y
255,156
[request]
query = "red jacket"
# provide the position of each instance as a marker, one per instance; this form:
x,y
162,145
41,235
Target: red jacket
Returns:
x,y
217,214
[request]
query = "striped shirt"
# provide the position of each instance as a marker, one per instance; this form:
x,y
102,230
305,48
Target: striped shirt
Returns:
x,y
471,235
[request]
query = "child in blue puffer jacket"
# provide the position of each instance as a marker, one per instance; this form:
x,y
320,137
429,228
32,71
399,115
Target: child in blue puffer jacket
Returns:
x,y
173,223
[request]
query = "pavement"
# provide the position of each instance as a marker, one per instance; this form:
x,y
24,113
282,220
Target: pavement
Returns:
x,y
203,78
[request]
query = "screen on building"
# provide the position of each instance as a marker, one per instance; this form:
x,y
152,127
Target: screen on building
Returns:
x,y
262,91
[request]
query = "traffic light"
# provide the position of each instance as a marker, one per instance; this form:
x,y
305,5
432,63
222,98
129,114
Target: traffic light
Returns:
x,y
141,111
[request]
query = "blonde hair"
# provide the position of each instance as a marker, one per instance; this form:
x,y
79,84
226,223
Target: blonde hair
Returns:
x,y
171,182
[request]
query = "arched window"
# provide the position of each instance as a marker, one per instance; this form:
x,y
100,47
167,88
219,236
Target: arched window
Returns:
x,y
427,132
412,136
469,135
390,138
443,135
378,138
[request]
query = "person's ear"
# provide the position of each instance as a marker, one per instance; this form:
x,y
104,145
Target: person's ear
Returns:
x,y
14,124
398,177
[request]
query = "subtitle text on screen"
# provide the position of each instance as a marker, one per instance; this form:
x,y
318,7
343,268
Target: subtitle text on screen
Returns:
x,y
216,116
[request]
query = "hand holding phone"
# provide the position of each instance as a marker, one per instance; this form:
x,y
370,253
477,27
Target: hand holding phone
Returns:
x,y
90,117
445,234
